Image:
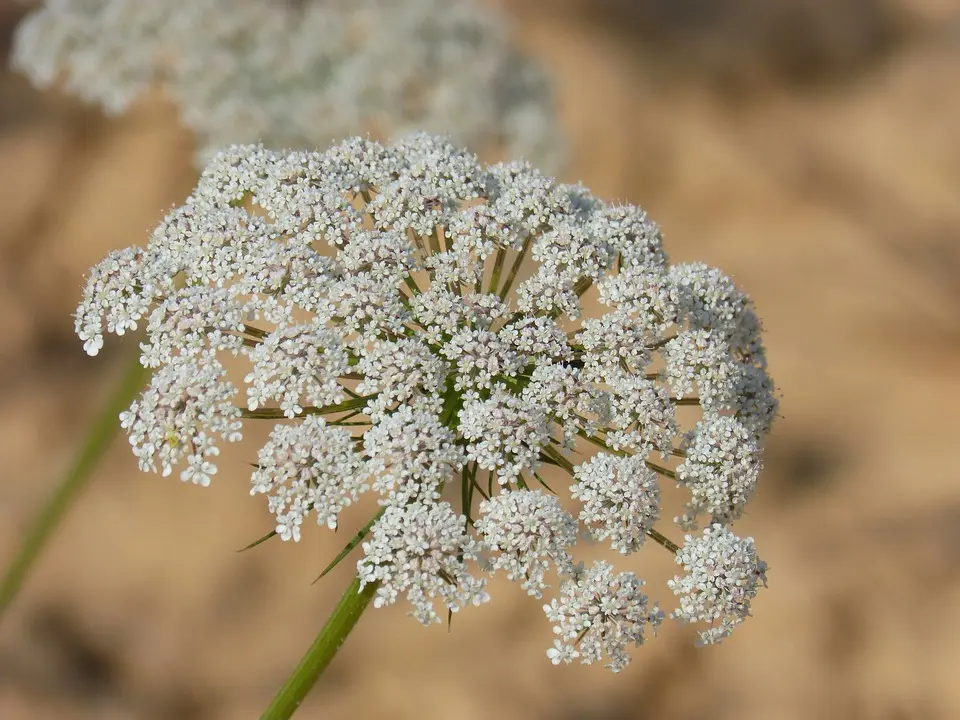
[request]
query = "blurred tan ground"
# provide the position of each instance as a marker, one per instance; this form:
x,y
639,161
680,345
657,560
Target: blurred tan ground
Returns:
x,y
811,149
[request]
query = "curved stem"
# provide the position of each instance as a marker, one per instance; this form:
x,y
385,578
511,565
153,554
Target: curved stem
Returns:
x,y
43,526
321,652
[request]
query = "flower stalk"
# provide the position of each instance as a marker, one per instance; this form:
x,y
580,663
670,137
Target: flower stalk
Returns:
x,y
45,524
343,619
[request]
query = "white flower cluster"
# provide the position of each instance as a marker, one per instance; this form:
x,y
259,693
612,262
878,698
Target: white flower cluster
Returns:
x,y
606,482
527,531
721,465
422,550
177,417
413,324
297,73
324,471
600,613
722,576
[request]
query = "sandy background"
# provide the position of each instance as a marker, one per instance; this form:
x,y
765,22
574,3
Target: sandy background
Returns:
x,y
810,148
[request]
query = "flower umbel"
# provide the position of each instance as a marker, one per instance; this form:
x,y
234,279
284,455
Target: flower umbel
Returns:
x,y
449,337
296,73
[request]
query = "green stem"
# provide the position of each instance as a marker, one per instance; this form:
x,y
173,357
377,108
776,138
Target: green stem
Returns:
x,y
559,459
277,413
663,540
45,524
321,652
662,470
497,268
515,269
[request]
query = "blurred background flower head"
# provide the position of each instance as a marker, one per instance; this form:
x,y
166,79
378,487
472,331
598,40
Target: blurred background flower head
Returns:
x,y
301,73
